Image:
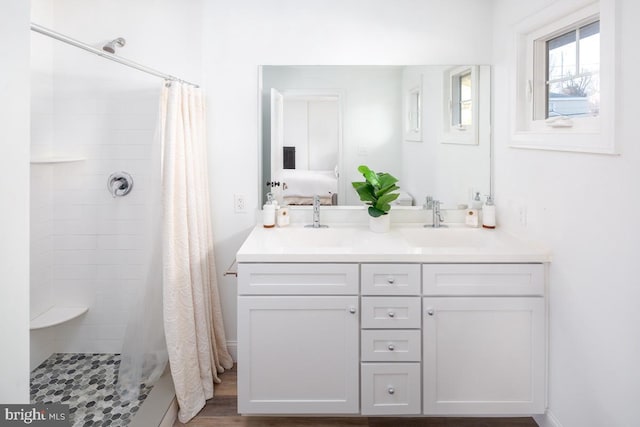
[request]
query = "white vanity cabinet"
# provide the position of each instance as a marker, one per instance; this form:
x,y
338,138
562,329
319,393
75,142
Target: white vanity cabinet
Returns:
x,y
484,345
430,331
298,354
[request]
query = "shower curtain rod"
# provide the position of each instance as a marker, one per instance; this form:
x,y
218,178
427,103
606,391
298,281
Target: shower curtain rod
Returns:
x,y
73,42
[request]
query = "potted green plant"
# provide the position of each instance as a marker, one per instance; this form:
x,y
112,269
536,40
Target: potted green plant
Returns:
x,y
377,191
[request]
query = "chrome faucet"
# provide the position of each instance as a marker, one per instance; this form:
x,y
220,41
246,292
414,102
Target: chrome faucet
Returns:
x,y
316,214
434,205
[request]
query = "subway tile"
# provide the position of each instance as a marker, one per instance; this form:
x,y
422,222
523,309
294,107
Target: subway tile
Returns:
x,y
83,226
120,241
75,272
69,242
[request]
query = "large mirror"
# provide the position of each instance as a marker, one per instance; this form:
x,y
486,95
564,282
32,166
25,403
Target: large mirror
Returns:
x,y
427,125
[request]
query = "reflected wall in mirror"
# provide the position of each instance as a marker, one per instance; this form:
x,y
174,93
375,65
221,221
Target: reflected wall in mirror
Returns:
x,y
427,125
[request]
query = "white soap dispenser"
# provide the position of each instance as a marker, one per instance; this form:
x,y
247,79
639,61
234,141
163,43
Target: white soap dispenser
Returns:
x,y
269,212
476,202
489,214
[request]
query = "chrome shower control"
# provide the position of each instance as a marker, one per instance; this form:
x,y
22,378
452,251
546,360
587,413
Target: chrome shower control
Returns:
x,y
120,184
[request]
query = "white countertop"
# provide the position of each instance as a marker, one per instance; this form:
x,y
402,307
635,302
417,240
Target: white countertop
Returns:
x,y
403,243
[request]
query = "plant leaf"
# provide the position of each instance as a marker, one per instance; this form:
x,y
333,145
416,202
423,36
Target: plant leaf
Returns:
x,y
386,190
365,191
369,175
383,201
387,179
374,212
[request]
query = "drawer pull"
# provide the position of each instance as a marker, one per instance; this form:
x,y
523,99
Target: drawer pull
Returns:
x,y
391,390
391,280
391,347
391,314
430,311
352,310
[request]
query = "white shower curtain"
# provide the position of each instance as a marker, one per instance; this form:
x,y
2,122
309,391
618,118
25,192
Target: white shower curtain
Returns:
x,y
144,352
192,316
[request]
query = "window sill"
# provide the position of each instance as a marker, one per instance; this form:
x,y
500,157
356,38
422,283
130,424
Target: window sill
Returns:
x,y
557,140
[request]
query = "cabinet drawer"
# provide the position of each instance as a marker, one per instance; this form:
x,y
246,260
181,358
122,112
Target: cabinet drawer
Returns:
x,y
391,312
390,388
390,279
390,345
298,279
483,279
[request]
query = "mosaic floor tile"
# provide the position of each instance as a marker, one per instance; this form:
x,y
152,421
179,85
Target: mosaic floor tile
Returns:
x,y
87,383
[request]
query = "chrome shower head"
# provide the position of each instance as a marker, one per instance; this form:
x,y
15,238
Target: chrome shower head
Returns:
x,y
111,46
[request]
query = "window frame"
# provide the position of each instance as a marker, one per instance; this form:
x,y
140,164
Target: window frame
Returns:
x,y
583,134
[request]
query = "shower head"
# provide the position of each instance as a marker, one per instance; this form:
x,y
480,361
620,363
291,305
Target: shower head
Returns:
x,y
111,46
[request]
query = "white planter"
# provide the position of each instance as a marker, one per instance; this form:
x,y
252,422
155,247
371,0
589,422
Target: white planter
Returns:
x,y
381,224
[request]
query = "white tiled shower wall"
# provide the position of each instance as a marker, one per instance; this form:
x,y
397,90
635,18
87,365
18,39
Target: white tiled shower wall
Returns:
x,y
87,247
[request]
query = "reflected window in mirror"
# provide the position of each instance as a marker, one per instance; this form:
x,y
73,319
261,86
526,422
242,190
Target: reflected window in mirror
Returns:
x,y
413,112
462,100
460,127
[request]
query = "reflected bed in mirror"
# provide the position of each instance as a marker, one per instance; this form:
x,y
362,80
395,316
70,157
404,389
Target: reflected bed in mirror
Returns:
x,y
427,125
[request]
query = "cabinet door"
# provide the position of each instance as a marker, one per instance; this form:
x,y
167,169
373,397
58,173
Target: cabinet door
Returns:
x,y
298,355
484,355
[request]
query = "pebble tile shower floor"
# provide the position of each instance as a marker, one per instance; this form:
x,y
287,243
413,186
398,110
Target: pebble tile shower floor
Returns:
x,y
85,382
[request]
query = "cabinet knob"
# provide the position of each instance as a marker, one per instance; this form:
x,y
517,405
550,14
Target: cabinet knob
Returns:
x,y
430,311
391,347
391,280
391,314
391,390
352,310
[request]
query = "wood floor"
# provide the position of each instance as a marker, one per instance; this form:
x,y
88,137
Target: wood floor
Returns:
x,y
221,411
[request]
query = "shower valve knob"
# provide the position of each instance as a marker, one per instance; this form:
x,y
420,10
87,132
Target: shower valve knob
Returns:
x,y
120,184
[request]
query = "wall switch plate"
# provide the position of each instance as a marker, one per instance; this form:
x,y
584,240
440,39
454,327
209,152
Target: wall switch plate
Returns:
x,y
522,212
239,203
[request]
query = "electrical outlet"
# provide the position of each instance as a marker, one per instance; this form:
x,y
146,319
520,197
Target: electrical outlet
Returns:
x,y
239,203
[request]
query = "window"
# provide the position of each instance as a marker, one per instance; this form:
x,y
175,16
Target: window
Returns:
x,y
461,84
412,110
570,64
564,93
461,100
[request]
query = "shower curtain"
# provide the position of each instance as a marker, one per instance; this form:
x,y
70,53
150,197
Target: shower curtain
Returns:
x,y
193,323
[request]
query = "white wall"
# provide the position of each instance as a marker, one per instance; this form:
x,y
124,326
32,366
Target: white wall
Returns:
x,y
107,114
14,212
241,35
584,207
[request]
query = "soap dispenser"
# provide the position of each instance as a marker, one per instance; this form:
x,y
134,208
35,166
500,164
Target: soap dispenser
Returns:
x,y
489,214
269,212
476,201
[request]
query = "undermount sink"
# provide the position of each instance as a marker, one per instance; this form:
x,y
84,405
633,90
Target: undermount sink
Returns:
x,y
445,237
302,237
